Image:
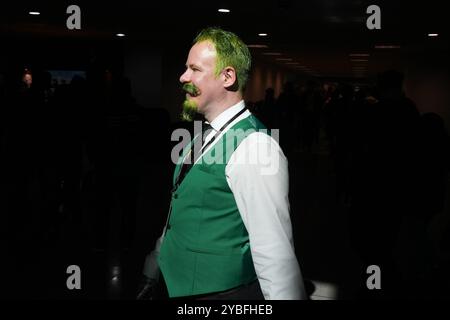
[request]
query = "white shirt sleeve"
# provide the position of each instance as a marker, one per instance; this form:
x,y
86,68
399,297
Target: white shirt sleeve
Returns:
x,y
257,174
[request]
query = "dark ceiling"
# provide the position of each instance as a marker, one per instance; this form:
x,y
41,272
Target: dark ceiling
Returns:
x,y
317,36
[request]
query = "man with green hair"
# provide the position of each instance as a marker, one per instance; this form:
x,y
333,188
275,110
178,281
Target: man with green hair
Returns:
x,y
228,234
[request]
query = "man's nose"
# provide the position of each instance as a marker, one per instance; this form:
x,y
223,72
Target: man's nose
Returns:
x,y
184,77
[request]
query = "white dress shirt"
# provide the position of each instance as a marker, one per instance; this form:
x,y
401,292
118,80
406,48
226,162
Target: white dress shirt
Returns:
x,y
260,189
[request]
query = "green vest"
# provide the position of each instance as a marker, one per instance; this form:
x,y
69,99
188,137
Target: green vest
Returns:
x,y
206,246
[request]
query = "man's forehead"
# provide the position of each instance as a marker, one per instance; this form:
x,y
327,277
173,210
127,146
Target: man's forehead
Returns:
x,y
205,44
203,49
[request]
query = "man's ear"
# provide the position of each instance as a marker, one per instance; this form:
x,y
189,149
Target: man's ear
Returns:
x,y
229,77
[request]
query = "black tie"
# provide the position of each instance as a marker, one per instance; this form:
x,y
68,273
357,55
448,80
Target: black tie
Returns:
x,y
192,157
206,129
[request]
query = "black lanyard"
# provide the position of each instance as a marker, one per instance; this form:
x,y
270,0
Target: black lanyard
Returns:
x,y
181,176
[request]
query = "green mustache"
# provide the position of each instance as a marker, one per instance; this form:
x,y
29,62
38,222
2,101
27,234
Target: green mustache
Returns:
x,y
191,89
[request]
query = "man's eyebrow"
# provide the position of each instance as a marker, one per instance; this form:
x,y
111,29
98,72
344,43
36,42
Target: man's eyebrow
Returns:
x,y
193,65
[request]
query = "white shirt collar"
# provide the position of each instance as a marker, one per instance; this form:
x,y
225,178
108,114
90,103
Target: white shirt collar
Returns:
x,y
226,115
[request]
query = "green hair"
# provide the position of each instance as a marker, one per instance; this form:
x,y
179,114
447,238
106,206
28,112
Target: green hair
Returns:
x,y
230,50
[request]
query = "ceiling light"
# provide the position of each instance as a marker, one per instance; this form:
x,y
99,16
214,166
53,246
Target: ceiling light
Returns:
x,y
272,53
257,46
382,46
120,34
359,55
283,59
292,63
433,34
359,60
224,10
262,34
34,13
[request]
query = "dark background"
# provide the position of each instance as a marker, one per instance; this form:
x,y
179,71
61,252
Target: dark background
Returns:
x,y
85,168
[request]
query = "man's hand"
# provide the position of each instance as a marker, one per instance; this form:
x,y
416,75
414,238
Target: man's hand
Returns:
x,y
147,288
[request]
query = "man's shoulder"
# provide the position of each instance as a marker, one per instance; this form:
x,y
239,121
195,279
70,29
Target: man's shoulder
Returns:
x,y
247,128
251,122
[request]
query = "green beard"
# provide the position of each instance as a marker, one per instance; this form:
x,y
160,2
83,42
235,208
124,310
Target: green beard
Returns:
x,y
190,109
